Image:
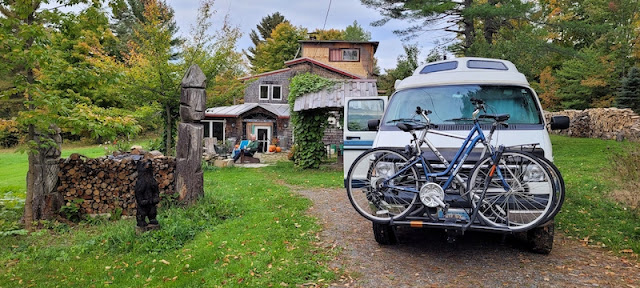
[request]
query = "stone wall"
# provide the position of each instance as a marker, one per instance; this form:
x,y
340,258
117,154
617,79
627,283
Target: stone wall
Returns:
x,y
603,123
105,184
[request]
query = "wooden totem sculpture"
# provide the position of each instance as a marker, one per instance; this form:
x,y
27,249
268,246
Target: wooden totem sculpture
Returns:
x,y
189,180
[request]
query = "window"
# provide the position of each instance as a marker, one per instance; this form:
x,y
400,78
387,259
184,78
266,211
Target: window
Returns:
x,y
361,111
276,92
264,92
214,129
439,67
484,64
451,105
344,55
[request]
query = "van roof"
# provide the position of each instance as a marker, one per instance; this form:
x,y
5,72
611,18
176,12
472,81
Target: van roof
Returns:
x,y
465,70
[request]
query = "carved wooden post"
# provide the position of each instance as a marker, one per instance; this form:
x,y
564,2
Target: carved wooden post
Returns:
x,y
42,177
189,181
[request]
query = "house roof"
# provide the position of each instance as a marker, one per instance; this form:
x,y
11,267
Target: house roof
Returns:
x,y
265,74
323,65
302,60
333,97
374,43
280,110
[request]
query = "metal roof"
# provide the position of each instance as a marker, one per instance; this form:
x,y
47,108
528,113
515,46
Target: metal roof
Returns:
x,y
280,110
333,97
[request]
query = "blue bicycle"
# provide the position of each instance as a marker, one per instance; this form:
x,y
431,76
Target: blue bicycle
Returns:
x,y
507,190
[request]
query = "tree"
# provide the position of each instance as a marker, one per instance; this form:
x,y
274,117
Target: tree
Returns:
x,y
585,81
129,15
355,32
405,65
280,47
629,94
265,27
151,74
215,54
331,34
26,34
465,18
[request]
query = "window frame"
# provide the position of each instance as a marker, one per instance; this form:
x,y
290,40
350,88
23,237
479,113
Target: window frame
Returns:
x,y
260,92
272,94
342,54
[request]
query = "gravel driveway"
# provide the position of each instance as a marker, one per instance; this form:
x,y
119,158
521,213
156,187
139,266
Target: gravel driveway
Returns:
x,y
423,258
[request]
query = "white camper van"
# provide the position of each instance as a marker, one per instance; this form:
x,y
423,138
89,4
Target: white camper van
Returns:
x,y
445,88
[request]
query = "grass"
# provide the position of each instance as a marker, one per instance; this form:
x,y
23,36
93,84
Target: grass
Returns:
x,y
250,230
247,231
589,212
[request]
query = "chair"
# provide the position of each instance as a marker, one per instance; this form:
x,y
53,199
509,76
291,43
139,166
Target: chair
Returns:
x,y
244,158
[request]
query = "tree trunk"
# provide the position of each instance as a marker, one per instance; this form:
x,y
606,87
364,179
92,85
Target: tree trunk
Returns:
x,y
467,24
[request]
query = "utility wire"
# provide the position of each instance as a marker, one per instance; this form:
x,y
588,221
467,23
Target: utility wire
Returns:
x,y
326,16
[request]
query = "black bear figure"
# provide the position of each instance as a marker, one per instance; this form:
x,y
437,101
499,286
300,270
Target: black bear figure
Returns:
x,y
147,194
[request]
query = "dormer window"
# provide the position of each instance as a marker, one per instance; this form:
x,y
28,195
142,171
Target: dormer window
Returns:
x,y
344,55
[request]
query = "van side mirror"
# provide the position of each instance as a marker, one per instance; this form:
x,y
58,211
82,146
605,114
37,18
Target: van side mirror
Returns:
x,y
559,122
373,124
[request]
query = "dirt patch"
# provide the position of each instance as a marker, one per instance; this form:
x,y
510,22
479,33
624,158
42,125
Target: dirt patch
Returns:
x,y
424,258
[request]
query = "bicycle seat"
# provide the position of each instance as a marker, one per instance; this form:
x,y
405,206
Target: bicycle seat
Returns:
x,y
496,117
406,127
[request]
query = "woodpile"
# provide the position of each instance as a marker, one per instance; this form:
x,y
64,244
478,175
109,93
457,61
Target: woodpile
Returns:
x,y
603,123
106,184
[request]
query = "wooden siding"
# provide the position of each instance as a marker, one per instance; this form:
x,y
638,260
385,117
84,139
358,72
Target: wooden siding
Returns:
x,y
320,52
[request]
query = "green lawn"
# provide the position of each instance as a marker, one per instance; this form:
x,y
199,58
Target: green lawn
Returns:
x,y
587,212
251,230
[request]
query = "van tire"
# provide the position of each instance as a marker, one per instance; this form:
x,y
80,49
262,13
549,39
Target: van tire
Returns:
x,y
384,234
540,239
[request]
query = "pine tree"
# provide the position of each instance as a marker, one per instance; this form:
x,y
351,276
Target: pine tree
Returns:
x,y
629,95
265,27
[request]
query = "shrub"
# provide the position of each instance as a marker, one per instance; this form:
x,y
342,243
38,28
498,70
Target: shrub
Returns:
x,y
9,133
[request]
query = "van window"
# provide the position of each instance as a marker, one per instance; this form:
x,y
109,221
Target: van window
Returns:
x,y
439,67
484,64
451,105
361,111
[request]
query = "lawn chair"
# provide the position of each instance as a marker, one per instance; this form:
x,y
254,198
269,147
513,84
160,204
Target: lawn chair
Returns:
x,y
244,158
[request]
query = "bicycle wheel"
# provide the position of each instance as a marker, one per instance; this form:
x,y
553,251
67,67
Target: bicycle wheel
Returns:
x,y
519,196
558,187
378,186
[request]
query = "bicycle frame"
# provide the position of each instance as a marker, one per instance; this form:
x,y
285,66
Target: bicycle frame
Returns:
x,y
458,160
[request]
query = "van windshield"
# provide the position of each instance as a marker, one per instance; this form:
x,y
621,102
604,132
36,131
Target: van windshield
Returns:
x,y
451,104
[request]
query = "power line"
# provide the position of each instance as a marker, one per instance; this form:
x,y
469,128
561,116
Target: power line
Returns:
x,y
326,16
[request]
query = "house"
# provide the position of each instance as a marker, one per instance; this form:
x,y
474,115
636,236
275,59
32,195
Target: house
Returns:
x,y
265,112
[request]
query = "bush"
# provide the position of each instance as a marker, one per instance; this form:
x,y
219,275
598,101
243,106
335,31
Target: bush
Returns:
x,y
9,133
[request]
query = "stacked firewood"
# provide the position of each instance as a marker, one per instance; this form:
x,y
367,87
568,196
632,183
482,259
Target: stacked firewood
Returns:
x,y
603,123
107,184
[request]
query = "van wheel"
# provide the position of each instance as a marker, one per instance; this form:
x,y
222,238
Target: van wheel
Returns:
x,y
384,234
540,239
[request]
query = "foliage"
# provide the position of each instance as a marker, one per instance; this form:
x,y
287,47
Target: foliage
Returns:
x,y
9,133
547,90
405,65
72,210
265,27
586,81
355,32
280,47
629,94
11,206
216,56
152,75
308,125
330,34
625,169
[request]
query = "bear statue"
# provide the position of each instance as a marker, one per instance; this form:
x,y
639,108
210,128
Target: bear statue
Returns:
x,y
147,194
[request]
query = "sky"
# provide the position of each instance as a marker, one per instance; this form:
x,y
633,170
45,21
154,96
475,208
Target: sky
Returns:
x,y
246,14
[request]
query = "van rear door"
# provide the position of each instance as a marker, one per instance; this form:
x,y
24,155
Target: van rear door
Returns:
x,y
357,137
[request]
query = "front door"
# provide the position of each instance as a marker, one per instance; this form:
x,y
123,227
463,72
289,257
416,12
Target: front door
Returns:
x,y
264,135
